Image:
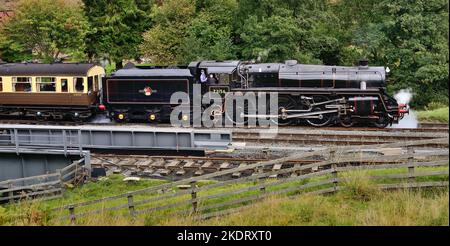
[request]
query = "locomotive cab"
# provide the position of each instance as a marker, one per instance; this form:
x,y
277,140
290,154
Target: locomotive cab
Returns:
x,y
220,76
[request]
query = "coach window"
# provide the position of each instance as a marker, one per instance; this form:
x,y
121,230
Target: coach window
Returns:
x,y
46,84
90,83
1,84
64,85
21,84
78,84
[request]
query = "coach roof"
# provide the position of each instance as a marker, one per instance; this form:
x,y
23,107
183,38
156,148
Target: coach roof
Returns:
x,y
39,69
136,72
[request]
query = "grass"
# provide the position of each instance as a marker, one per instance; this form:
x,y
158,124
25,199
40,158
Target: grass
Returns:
x,y
358,204
377,208
434,115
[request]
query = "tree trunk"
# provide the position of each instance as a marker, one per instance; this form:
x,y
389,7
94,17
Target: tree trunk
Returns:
x,y
119,64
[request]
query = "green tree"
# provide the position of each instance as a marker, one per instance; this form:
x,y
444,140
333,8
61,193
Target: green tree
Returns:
x,y
210,33
412,39
162,43
44,29
117,28
277,30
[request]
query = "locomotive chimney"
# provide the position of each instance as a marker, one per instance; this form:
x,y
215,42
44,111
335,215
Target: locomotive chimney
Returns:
x,y
363,63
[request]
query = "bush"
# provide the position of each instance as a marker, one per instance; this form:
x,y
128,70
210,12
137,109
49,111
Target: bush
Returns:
x,y
436,115
358,186
435,105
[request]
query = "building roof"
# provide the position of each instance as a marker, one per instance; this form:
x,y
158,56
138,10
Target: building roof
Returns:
x,y
39,69
136,72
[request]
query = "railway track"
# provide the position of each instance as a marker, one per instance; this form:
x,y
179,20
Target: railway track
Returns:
x,y
177,168
333,137
433,125
423,127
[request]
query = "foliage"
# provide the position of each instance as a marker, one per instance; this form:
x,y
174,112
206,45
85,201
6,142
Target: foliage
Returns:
x,y
43,29
434,115
162,42
409,37
209,35
117,28
190,30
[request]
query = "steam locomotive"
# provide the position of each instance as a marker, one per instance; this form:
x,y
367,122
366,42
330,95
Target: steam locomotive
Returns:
x,y
316,94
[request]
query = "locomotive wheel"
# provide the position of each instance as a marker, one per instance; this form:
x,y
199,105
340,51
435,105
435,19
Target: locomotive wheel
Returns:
x,y
347,121
382,122
40,118
324,119
286,103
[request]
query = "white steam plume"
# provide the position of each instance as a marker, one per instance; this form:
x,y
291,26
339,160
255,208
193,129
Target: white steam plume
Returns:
x,y
404,96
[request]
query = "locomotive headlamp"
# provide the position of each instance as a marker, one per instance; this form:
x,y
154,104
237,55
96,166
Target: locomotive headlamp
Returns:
x,y
185,117
403,108
152,117
121,116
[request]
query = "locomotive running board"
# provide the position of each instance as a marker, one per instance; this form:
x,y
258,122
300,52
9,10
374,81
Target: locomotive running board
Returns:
x,y
304,115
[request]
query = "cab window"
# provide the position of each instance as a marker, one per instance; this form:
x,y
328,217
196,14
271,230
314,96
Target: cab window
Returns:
x,y
78,85
21,84
224,78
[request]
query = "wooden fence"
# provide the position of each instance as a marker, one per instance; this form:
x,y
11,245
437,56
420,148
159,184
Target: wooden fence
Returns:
x,y
320,177
47,186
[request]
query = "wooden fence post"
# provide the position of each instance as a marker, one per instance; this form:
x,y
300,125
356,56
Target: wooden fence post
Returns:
x,y
334,173
72,214
411,167
11,193
194,198
131,205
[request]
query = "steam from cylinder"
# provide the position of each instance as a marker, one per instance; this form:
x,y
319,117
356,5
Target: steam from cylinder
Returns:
x,y
409,121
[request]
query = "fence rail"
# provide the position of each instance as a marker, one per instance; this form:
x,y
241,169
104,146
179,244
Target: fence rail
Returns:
x,y
43,186
191,201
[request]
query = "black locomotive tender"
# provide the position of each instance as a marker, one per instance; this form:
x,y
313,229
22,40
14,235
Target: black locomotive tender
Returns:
x,y
320,95
316,94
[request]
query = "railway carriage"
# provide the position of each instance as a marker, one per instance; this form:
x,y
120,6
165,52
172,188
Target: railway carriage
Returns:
x,y
50,91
